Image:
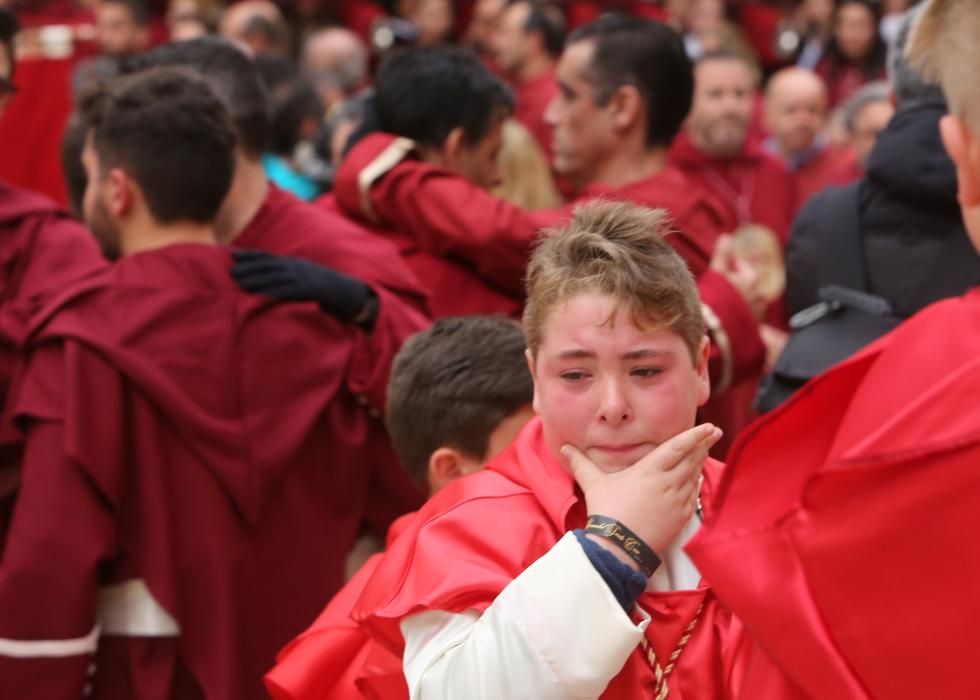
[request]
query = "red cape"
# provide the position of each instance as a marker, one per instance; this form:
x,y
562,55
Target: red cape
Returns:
x,y
213,431
460,553
846,524
335,659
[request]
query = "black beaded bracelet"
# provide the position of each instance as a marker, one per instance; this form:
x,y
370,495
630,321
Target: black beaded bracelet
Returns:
x,y
625,539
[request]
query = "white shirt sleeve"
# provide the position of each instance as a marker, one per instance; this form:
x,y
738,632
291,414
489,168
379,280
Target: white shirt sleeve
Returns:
x,y
555,632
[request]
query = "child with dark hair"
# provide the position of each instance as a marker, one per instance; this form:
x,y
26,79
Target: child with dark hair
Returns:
x,y
459,393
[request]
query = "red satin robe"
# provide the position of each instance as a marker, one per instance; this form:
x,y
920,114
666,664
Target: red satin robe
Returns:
x,y
448,216
845,531
453,287
335,659
181,432
41,250
477,535
284,225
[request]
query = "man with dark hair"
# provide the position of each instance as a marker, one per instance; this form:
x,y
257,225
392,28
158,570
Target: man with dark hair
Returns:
x,y
41,247
527,42
446,107
460,392
192,477
367,284
625,89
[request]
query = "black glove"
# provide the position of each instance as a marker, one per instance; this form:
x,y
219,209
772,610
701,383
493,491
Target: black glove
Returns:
x,y
294,279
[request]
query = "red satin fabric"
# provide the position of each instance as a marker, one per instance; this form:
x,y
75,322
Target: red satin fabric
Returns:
x,y
845,530
480,533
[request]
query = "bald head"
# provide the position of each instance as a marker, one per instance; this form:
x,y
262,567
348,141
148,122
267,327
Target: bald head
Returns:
x,y
256,24
336,56
796,109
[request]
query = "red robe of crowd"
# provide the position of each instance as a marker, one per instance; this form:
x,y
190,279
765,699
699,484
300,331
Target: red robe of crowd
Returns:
x,y
452,221
194,475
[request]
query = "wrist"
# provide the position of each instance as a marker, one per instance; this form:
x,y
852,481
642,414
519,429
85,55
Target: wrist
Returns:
x,y
614,550
617,535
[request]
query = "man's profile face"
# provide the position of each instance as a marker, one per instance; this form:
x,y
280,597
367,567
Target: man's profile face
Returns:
x,y
583,131
97,216
724,90
611,389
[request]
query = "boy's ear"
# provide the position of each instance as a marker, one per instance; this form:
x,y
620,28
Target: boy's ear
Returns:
x,y
445,466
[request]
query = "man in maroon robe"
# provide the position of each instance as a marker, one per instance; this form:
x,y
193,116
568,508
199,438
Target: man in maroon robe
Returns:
x,y
41,247
716,151
612,131
448,108
845,531
258,216
194,470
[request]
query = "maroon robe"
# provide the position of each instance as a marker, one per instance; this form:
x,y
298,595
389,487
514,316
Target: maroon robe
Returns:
x,y
754,187
284,225
447,215
181,433
41,250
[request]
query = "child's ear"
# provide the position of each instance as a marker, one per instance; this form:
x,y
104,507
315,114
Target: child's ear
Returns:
x,y
445,466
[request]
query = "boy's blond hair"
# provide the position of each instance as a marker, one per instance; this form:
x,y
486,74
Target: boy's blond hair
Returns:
x,y
944,45
619,250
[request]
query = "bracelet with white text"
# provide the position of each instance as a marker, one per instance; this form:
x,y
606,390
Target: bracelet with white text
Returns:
x,y
625,539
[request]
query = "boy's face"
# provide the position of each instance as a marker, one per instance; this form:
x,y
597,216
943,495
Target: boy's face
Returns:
x,y
611,389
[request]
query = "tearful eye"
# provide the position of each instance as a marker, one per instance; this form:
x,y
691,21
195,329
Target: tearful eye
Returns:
x,y
646,372
573,376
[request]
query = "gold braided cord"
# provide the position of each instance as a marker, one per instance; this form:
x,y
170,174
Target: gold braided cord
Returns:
x,y
660,673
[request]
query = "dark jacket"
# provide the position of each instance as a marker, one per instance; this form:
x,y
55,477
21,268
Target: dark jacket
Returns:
x,y
910,220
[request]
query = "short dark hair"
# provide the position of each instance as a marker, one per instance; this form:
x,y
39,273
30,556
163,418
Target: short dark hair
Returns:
x,y
232,76
425,93
138,10
170,133
8,29
649,56
72,169
451,386
548,21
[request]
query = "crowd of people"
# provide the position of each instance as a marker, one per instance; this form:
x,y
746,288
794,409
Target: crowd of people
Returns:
x,y
397,349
